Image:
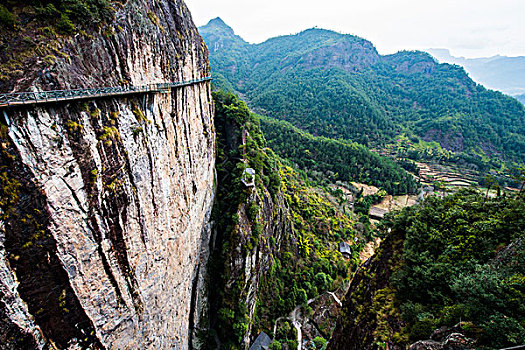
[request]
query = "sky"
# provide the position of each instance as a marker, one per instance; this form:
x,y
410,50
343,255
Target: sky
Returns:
x,y
469,28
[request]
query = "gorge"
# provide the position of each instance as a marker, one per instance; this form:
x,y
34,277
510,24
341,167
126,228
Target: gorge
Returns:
x,y
144,207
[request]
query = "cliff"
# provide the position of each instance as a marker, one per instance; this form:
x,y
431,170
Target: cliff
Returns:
x,y
248,217
274,256
369,315
105,203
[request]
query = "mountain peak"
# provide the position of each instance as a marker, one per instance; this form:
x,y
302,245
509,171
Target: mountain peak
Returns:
x,y
217,34
218,23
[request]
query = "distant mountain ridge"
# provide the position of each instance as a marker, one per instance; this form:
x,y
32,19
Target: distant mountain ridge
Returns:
x,y
520,98
338,86
502,73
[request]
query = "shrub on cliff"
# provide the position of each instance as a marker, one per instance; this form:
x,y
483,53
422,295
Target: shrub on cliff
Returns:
x,y
64,15
7,19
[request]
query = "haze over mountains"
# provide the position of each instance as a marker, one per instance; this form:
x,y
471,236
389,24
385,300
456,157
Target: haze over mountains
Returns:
x,y
162,213
506,74
339,86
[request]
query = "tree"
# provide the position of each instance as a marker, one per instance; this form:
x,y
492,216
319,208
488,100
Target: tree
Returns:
x,y
320,343
275,345
520,177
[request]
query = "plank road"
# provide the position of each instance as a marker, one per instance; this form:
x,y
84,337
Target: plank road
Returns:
x,y
38,97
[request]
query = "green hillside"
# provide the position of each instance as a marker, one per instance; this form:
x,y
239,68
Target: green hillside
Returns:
x,y
338,86
339,160
453,264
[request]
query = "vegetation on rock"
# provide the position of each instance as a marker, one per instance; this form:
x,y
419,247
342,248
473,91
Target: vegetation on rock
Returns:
x,y
64,15
31,30
338,86
301,247
464,260
446,261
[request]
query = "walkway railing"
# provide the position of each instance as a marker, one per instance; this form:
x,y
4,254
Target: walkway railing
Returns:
x,y
36,97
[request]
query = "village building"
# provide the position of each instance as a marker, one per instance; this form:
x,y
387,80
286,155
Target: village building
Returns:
x,y
262,342
345,249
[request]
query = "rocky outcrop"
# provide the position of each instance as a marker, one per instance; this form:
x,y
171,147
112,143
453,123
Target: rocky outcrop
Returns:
x,y
448,338
369,316
246,265
349,53
454,341
412,62
105,203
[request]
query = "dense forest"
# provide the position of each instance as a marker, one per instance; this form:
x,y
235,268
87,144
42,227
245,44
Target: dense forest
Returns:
x,y
457,262
336,160
463,260
338,86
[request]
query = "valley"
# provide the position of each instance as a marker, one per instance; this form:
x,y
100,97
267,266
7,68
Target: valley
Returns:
x,y
164,186
338,86
380,136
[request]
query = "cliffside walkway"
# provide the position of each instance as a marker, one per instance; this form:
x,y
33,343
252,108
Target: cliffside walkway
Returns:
x,y
37,97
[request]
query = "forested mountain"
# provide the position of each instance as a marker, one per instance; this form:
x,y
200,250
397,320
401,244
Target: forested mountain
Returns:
x,y
338,86
343,161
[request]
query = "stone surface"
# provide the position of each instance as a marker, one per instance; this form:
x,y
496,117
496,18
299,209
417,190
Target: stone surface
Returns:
x,y
17,321
249,266
426,345
126,185
453,341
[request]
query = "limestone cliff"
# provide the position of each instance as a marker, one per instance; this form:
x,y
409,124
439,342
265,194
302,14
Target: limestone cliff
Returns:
x,y
105,203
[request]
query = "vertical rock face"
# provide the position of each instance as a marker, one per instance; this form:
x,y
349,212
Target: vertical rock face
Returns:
x,y
105,203
250,214
367,318
247,266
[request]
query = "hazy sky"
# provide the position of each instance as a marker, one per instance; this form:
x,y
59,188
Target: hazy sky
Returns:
x,y
471,28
